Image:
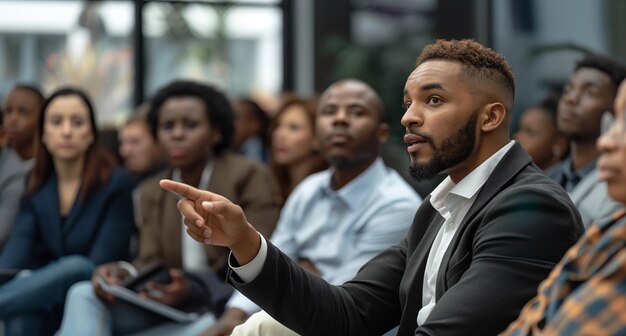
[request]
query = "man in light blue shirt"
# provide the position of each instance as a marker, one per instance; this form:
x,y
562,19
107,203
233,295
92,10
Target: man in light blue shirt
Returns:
x,y
338,219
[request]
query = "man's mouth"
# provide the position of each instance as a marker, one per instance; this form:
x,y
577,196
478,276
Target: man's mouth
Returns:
x,y
339,139
414,142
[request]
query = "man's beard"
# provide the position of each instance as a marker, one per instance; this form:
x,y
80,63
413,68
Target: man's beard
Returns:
x,y
454,150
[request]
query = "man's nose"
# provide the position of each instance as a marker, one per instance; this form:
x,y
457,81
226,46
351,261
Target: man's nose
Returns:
x,y
341,117
608,140
571,97
412,118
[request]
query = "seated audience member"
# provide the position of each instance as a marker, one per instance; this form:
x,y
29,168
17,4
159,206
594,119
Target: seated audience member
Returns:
x,y
251,123
194,124
12,184
588,94
2,133
295,150
22,107
336,220
19,126
478,247
585,293
539,136
77,213
142,155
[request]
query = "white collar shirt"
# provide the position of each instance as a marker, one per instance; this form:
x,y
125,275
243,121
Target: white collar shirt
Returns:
x,y
452,201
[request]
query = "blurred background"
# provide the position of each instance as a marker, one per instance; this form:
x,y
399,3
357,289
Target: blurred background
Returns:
x,y
121,51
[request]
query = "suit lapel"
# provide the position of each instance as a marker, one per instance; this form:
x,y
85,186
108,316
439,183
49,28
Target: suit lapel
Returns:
x,y
426,224
511,164
46,205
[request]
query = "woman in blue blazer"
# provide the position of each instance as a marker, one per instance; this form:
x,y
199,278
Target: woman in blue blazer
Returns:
x,y
77,213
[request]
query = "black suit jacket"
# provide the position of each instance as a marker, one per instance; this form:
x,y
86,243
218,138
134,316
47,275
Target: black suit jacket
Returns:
x,y
518,228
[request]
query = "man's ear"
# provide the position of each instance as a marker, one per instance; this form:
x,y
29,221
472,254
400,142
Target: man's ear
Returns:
x,y
383,132
492,116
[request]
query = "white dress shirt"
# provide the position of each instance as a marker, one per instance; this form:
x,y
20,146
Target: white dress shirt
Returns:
x,y
452,201
193,252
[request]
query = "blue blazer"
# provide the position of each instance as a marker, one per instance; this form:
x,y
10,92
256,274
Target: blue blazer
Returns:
x,y
98,227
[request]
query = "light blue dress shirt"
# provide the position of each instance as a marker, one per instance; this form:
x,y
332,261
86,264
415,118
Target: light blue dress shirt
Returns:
x,y
340,230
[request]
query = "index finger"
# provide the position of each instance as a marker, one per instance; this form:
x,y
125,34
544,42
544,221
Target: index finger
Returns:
x,y
181,189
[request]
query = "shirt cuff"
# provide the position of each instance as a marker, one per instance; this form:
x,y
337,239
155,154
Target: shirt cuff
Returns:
x,y
251,270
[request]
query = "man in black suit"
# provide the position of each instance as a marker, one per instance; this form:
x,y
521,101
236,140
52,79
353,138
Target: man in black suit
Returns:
x,y
478,247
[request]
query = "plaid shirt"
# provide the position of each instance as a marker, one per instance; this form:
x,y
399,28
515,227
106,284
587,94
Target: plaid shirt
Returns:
x,y
585,294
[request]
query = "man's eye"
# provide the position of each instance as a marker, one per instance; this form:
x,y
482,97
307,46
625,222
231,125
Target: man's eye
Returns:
x,y
434,100
357,111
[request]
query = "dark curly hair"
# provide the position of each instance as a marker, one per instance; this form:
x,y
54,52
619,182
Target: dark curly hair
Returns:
x,y
479,62
218,109
615,70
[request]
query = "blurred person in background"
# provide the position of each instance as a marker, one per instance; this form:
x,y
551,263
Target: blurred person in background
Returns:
x,y
139,150
77,213
585,294
294,146
22,107
337,219
20,116
587,96
539,135
193,123
2,133
142,157
251,123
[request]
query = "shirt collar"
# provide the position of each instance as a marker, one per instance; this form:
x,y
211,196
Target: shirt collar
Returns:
x,y
470,184
357,190
569,173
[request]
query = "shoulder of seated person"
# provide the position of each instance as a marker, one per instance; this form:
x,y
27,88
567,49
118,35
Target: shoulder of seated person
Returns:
x,y
150,186
119,179
239,165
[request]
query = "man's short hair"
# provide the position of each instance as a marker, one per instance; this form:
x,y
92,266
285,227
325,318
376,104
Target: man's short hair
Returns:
x,y
479,61
615,70
33,89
